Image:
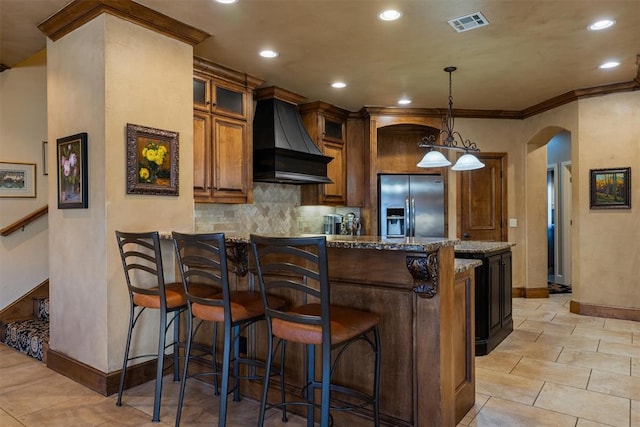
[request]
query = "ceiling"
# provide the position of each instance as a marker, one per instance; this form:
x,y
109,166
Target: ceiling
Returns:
x,y
531,51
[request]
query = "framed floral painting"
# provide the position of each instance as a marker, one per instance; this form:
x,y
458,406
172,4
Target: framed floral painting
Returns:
x,y
152,161
72,165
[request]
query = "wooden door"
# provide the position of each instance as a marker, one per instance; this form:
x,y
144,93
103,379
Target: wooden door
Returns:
x,y
201,155
482,200
229,158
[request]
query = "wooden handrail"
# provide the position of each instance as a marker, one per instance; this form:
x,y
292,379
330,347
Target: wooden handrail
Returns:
x,y
21,223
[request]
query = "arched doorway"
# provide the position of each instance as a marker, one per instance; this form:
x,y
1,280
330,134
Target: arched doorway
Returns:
x,y
559,213
540,207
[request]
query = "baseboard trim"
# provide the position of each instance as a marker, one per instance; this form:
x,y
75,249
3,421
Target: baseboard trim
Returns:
x,y
98,381
609,312
530,292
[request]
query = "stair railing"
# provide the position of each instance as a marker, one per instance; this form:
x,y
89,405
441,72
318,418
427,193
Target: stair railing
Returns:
x,y
23,222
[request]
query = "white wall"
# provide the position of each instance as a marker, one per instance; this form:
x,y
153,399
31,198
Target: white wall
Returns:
x,y
24,255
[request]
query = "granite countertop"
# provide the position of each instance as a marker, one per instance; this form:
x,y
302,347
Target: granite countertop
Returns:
x,y
412,244
476,246
461,265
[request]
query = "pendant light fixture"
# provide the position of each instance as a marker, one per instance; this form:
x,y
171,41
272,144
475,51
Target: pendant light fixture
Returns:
x,y
446,140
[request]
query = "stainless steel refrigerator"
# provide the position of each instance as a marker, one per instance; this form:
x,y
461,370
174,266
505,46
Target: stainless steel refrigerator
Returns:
x,y
411,206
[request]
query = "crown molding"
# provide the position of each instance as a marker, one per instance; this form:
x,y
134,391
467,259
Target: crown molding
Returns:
x,y
577,94
207,67
79,12
536,109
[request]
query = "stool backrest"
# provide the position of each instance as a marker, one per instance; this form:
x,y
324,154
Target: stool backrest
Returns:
x,y
297,268
202,261
142,263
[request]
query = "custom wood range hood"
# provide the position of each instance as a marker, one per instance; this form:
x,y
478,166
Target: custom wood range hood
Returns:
x,y
283,151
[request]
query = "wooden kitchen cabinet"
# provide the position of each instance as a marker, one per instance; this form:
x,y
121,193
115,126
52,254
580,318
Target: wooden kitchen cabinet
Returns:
x,y
222,137
326,124
493,296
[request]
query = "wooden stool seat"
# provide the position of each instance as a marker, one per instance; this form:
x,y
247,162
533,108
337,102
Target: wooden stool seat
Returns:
x,y
346,323
244,305
175,296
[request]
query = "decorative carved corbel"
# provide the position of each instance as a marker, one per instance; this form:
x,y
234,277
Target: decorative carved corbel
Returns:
x,y
238,255
424,270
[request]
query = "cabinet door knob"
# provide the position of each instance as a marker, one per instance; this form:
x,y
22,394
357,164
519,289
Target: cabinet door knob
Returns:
x,y
466,235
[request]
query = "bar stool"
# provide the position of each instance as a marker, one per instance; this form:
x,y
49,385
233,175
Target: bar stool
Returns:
x,y
295,265
142,263
202,261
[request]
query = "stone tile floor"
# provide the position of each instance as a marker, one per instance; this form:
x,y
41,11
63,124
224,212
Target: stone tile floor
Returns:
x,y
560,369
555,369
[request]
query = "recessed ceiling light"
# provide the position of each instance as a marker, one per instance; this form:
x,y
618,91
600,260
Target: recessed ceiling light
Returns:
x,y
338,85
267,53
609,64
404,101
389,15
226,1
602,24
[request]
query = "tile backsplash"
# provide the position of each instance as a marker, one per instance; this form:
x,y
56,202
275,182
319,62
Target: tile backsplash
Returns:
x,y
275,209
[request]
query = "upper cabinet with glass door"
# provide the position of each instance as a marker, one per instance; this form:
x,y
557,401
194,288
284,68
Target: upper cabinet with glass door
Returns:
x,y
218,96
222,134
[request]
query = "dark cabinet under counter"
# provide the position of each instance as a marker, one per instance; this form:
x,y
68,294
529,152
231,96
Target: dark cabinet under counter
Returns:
x,y
493,291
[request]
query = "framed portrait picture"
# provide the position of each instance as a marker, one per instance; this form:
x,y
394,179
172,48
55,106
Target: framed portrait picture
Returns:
x,y
72,172
17,179
152,161
610,188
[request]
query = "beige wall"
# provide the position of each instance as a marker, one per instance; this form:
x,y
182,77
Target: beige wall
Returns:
x,y
102,76
604,133
23,127
501,136
609,240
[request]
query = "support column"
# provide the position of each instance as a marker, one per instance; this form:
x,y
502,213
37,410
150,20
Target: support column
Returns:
x,y
107,68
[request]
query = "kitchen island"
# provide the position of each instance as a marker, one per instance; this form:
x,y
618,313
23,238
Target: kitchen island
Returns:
x,y
493,291
425,304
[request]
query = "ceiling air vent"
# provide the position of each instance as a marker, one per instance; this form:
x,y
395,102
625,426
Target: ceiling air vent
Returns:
x,y
468,22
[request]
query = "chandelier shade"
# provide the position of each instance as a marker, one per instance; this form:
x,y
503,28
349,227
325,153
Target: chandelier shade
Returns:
x,y
467,162
448,139
434,159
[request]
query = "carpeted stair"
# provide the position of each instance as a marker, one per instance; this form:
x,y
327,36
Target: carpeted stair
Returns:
x,y
30,336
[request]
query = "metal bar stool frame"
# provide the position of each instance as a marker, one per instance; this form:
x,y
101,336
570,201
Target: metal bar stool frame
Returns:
x,y
311,252
141,253
202,260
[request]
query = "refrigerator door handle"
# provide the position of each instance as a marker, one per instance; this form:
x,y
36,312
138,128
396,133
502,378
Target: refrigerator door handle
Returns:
x,y
413,217
407,218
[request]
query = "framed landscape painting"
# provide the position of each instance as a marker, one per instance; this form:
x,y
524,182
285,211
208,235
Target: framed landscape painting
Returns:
x,y
152,161
72,172
17,179
610,188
